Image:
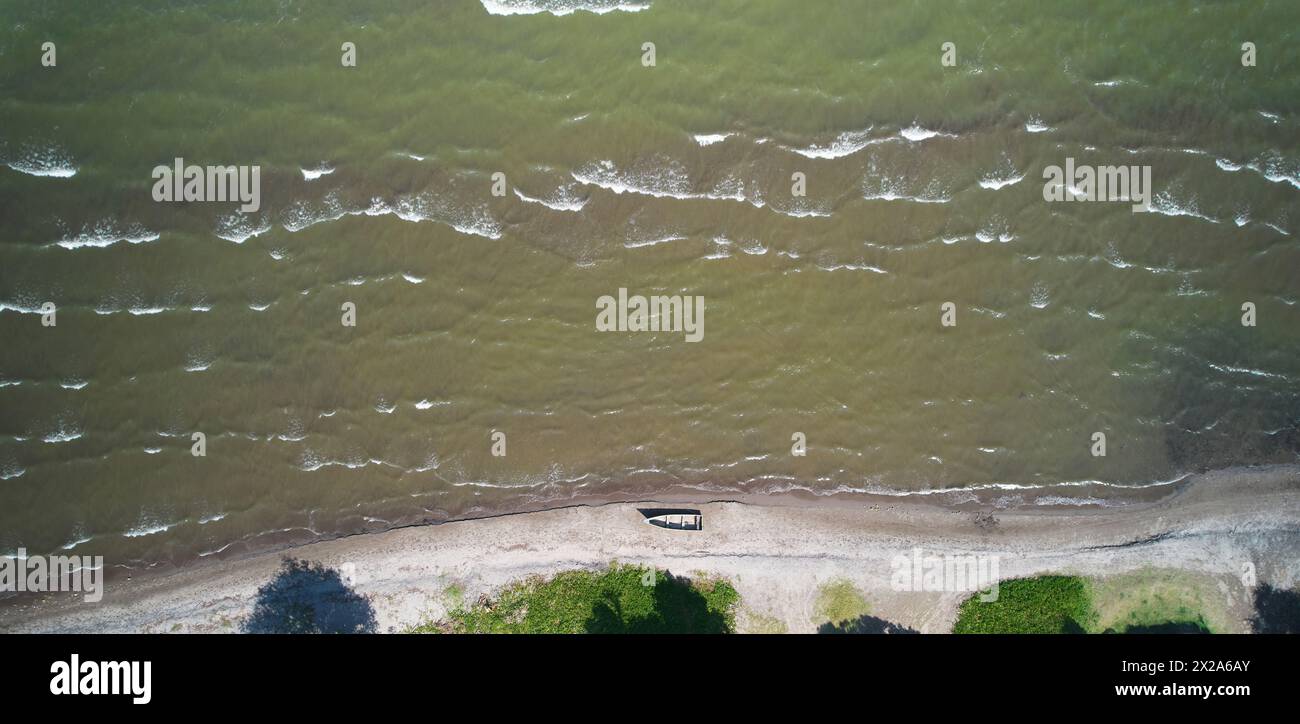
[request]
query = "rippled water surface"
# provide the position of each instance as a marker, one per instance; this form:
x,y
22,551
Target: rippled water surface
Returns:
x,y
475,313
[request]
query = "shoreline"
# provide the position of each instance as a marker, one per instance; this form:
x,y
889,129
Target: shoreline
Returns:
x,y
776,550
1080,495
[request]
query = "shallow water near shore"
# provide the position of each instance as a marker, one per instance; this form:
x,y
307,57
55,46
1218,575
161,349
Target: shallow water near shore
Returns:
x,y
475,312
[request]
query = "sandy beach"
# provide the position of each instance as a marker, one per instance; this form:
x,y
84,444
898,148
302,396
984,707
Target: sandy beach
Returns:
x,y
1206,530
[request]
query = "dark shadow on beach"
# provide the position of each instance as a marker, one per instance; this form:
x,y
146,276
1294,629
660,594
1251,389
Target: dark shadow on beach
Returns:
x,y
678,608
865,625
307,597
1277,611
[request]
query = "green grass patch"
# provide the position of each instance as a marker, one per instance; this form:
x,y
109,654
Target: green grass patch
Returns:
x,y
1155,601
1144,601
838,602
1045,604
619,599
752,622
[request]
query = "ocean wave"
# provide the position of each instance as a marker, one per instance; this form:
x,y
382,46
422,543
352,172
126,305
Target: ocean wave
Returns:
x,y
564,199
1036,125
21,308
800,211
149,526
561,7
1039,297
852,267
1167,204
1272,166
76,541
915,134
1248,371
196,362
312,461
722,248
873,489
63,434
48,161
846,144
473,220
895,188
1006,175
106,232
665,180
654,241
311,174
708,139
239,227
995,229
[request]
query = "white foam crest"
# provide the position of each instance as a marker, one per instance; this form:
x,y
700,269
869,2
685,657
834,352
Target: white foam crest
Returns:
x,y
19,307
149,527
845,144
668,181
1247,371
1038,296
561,7
239,227
1277,169
852,267
1165,203
197,362
1272,166
563,200
47,161
466,220
915,134
708,139
311,174
105,233
1036,125
640,243
1006,175
887,188
65,433
995,230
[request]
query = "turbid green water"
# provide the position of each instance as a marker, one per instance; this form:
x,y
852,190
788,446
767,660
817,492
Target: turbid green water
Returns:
x,y
476,313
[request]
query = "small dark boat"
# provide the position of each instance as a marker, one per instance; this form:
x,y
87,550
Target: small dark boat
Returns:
x,y
677,520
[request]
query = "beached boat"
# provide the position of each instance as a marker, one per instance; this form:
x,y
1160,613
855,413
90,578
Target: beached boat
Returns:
x,y
677,521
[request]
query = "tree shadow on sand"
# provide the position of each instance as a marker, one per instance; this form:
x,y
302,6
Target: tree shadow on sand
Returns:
x,y
1277,611
865,625
677,608
307,597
